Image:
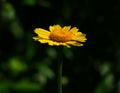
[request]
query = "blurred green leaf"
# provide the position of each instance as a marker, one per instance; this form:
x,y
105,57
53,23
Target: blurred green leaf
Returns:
x,y
68,53
52,53
45,3
65,80
8,12
16,29
30,50
29,2
41,78
66,10
46,71
26,85
106,84
16,65
104,68
118,87
5,86
109,81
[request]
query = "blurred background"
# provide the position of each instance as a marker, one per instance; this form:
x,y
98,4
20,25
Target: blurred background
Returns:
x,y
27,66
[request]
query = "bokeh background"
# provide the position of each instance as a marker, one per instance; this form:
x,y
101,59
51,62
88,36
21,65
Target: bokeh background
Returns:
x,y
27,66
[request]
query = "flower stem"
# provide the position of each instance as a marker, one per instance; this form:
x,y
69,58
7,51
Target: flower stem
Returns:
x,y
60,72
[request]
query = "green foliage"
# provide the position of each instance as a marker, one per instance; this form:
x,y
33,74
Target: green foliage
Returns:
x,y
29,2
26,85
4,86
16,66
43,3
45,73
8,12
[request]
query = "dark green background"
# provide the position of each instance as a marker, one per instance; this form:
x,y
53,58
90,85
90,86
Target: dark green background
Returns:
x,y
27,66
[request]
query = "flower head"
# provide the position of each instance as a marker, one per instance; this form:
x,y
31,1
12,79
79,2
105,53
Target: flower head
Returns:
x,y
57,35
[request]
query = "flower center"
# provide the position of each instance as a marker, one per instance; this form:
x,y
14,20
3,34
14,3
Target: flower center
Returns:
x,y
60,36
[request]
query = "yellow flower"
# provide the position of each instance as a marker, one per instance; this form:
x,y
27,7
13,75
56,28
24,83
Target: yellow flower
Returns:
x,y
57,35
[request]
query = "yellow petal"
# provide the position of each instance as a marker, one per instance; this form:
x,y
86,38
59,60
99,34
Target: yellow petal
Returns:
x,y
42,33
64,44
54,27
74,43
80,38
74,30
57,26
51,28
78,34
36,38
66,28
52,43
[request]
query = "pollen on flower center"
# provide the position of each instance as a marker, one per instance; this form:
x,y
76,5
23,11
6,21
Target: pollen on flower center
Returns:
x,y
60,36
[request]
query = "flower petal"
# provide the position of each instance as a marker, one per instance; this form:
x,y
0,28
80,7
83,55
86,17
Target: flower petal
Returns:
x,y
74,30
64,44
51,28
79,37
57,27
74,43
66,28
51,43
42,33
36,38
54,27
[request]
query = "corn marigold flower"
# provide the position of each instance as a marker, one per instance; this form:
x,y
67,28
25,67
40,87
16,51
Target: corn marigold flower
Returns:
x,y
58,36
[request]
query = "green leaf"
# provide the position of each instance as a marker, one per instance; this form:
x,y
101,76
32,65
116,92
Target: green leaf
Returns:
x,y
16,29
26,85
8,12
29,2
52,53
4,86
46,71
16,65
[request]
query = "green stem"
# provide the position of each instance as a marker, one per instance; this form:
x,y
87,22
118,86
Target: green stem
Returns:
x,y
60,72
